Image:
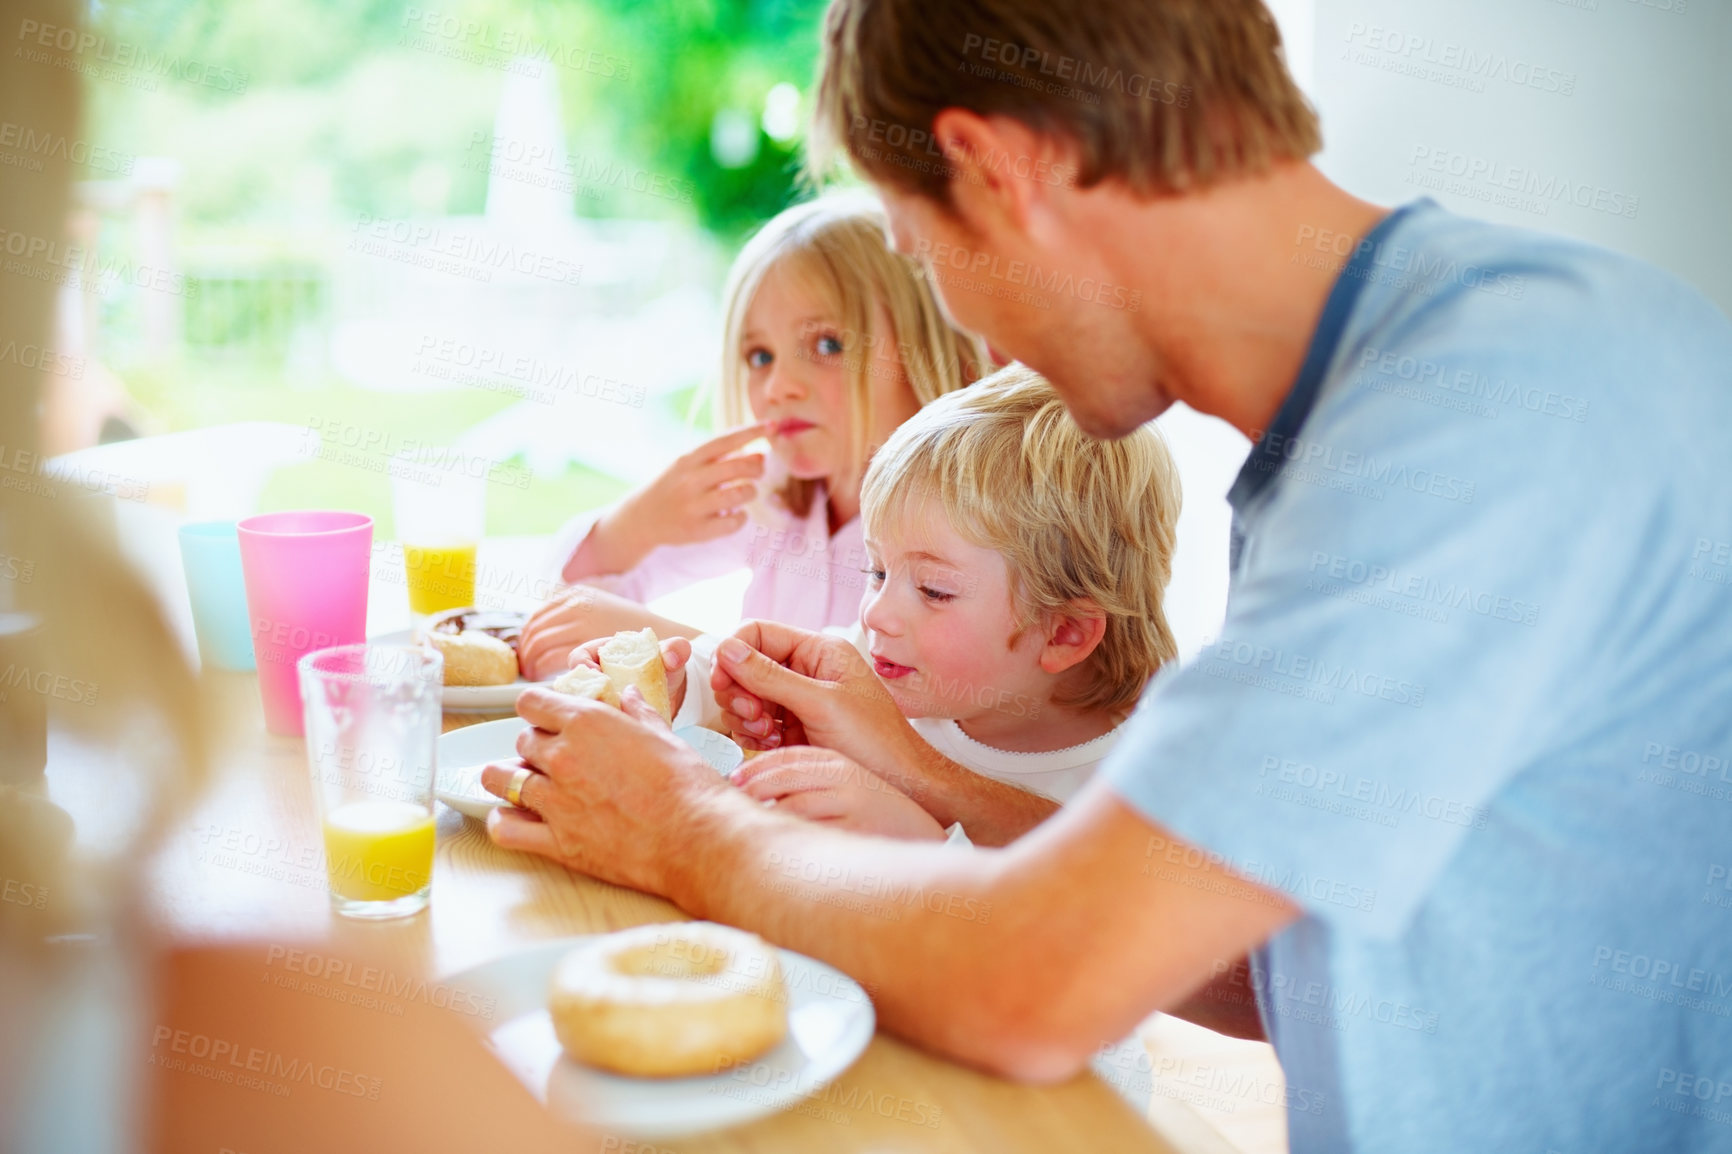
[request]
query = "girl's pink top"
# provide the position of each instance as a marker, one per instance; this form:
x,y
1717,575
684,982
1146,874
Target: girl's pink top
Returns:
x,y
801,575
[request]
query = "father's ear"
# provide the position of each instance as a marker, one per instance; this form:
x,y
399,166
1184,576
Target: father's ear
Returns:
x,y
1001,170
1072,635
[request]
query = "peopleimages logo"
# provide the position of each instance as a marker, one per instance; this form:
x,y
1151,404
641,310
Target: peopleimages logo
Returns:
x,y
65,265
46,683
881,895
479,42
254,1068
87,48
1419,52
1376,797
1471,384
475,255
1422,589
868,132
1032,63
1397,264
545,166
1528,188
1350,470
976,263
27,894
28,147
1711,561
372,980
524,375
42,359
1282,665
1678,975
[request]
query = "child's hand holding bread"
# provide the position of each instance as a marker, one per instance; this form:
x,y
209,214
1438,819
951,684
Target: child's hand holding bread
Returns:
x,y
602,669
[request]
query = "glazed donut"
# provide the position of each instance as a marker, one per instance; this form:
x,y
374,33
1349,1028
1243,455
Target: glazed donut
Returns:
x,y
668,1001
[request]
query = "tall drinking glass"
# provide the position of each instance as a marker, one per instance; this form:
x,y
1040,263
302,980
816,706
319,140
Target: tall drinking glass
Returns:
x,y
440,506
306,578
372,721
211,553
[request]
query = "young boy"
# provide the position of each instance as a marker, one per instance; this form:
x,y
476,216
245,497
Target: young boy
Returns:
x,y
1013,602
1013,608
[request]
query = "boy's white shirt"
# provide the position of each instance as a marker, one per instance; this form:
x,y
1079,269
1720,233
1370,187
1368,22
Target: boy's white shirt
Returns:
x,y
1058,774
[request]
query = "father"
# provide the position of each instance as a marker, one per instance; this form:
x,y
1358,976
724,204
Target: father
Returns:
x,y
1449,802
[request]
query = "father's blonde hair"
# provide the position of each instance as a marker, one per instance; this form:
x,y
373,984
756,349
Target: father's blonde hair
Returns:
x,y
1163,95
1073,517
838,246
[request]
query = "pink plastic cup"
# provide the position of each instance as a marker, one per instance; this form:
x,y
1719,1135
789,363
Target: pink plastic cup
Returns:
x,y
306,578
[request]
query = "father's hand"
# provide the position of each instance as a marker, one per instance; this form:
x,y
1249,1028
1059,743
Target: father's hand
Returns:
x,y
610,788
781,686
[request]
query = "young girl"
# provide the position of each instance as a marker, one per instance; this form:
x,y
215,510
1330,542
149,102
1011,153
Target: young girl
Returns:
x,y
831,341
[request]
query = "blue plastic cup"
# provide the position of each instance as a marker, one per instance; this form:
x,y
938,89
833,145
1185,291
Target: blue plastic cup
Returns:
x,y
211,552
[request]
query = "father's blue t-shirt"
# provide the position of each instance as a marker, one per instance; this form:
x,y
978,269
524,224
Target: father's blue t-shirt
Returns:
x,y
1471,706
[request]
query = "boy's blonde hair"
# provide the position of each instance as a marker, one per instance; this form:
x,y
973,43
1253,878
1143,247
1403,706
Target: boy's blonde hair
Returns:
x,y
839,247
1073,517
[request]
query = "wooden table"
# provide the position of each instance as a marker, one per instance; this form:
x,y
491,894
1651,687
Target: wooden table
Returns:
x,y
246,864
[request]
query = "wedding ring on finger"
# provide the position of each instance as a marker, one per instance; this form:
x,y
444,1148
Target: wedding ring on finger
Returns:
x,y
514,790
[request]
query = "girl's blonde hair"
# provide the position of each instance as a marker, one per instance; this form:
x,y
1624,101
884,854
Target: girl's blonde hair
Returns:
x,y
838,245
1074,517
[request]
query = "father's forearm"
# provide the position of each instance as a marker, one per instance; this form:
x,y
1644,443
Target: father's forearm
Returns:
x,y
1023,961
991,812
922,927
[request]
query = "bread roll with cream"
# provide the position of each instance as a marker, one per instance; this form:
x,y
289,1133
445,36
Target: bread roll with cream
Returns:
x,y
475,658
636,659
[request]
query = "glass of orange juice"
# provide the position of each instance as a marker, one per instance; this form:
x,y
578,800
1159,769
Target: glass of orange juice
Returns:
x,y
439,499
372,724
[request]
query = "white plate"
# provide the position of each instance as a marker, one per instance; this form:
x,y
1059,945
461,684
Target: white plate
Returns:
x,y
830,1021
463,752
467,698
